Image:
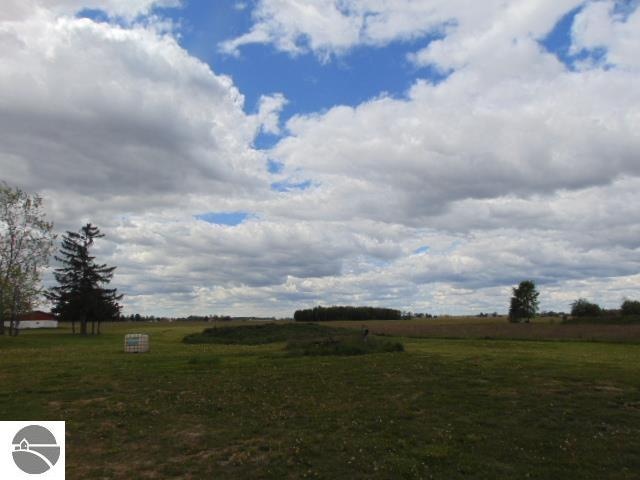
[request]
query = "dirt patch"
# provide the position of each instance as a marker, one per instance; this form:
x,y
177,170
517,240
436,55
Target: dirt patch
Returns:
x,y
89,401
250,451
608,389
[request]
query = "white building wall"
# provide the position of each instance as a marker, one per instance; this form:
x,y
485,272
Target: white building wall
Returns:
x,y
35,324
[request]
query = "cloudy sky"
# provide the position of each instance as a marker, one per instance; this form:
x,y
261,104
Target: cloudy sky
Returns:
x,y
258,156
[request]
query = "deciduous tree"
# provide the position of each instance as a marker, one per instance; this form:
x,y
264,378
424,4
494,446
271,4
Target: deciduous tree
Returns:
x,y
524,302
26,242
584,308
630,307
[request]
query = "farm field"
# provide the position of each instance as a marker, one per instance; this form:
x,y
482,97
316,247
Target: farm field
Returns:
x,y
499,328
444,408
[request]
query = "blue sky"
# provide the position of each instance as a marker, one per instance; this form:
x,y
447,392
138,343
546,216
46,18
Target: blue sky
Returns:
x,y
434,153
309,83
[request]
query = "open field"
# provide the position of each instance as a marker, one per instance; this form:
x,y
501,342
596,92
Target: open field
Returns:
x,y
444,408
499,328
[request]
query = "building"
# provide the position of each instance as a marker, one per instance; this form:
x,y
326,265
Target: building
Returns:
x,y
36,319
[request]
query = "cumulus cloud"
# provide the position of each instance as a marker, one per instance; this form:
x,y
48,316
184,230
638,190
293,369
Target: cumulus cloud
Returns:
x,y
127,9
118,113
526,137
511,138
269,112
601,25
286,23
329,27
514,166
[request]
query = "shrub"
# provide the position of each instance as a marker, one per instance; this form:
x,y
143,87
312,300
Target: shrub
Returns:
x,y
630,307
584,308
261,334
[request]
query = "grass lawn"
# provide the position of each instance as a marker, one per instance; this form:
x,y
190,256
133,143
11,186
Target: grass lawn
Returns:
x,y
444,408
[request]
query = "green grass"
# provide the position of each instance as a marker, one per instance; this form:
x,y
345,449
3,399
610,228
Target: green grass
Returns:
x,y
342,345
444,409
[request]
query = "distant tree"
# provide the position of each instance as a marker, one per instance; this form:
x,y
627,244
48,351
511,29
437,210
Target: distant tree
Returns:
x,y
584,308
80,295
26,242
630,307
524,302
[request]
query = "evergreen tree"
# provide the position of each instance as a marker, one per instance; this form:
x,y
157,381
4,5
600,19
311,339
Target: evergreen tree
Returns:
x,y
80,295
524,302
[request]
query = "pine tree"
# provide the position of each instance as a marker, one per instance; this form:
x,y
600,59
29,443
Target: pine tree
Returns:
x,y
80,295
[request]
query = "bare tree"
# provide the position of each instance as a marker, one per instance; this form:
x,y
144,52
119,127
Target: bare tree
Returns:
x,y
26,243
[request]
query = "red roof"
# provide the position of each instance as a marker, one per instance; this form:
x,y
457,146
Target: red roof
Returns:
x,y
37,315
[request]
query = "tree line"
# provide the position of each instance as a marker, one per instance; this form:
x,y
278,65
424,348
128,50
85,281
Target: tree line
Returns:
x,y
326,314
584,308
524,306
26,244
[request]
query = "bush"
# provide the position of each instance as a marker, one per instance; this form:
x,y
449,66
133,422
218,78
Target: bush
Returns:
x,y
630,307
584,308
261,334
303,339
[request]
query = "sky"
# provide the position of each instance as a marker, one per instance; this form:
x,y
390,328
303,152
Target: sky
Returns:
x,y
259,156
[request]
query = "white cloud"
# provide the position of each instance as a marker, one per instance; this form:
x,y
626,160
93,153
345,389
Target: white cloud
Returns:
x,y
118,112
599,26
329,27
269,112
469,139
513,167
289,24
127,9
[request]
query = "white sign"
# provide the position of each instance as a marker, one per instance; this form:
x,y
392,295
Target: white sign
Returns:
x,y
32,450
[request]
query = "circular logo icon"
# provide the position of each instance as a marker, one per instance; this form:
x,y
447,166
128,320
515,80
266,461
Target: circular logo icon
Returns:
x,y
35,449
